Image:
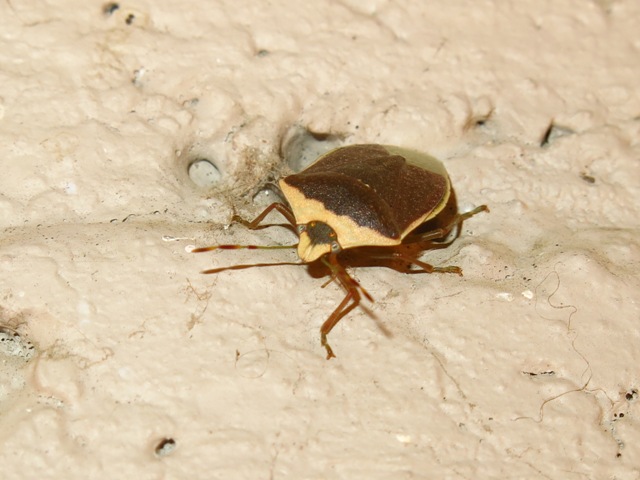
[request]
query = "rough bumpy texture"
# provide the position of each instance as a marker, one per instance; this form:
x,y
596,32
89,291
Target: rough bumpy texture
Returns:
x,y
527,367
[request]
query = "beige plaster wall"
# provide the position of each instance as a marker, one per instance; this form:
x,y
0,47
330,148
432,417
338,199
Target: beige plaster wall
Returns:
x,y
111,342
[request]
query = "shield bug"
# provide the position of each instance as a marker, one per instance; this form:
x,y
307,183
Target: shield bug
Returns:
x,y
363,205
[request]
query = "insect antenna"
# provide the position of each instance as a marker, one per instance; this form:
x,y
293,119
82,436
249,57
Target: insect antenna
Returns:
x,y
241,247
248,265
247,247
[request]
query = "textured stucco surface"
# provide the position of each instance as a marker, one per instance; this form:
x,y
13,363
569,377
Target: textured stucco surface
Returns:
x,y
111,341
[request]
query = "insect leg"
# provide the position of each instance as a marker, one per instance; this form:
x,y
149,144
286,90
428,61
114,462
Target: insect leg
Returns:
x,y
430,268
413,245
355,292
410,260
284,210
345,307
255,225
456,221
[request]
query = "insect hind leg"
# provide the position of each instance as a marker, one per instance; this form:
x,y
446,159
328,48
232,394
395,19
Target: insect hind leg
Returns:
x,y
442,232
423,267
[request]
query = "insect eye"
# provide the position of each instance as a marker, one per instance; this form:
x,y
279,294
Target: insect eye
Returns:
x,y
335,247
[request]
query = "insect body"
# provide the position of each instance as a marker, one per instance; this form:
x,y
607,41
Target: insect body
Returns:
x,y
363,205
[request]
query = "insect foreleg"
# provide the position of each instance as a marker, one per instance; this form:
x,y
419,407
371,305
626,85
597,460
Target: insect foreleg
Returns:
x,y
355,292
255,223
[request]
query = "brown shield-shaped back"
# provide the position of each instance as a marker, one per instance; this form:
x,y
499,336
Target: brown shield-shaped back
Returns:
x,y
370,195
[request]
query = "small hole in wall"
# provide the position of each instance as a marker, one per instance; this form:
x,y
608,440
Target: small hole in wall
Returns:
x,y
165,447
204,173
268,194
480,113
110,8
588,178
115,12
14,345
300,147
554,132
477,121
